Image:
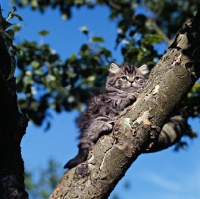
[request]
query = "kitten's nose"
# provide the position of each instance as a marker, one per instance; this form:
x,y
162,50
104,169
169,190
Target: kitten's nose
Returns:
x,y
132,83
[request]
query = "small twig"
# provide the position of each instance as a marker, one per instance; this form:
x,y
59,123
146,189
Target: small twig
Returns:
x,y
154,25
113,5
159,31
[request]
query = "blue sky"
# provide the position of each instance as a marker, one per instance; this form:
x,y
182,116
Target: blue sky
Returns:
x,y
166,174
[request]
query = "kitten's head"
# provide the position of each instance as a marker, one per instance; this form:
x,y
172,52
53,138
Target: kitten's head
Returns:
x,y
127,78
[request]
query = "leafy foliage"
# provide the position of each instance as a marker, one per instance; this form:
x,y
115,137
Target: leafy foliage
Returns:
x,y
47,81
46,181
47,178
6,42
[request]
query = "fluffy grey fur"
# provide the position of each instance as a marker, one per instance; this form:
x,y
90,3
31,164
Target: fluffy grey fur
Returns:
x,y
97,119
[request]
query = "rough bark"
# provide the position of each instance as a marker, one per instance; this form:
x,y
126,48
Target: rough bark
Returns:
x,y
137,128
12,128
175,127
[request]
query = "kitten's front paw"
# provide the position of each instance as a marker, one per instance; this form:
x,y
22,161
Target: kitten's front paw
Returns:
x,y
132,97
108,126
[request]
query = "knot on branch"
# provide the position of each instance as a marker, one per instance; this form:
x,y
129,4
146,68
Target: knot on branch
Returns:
x,y
83,170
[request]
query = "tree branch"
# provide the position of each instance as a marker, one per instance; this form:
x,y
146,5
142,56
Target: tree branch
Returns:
x,y
159,31
175,127
137,127
12,128
154,25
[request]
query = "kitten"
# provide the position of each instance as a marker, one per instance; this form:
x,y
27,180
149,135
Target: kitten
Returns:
x,y
97,119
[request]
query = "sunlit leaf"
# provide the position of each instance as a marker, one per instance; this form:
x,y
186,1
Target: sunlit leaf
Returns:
x,y
78,2
38,72
84,30
72,58
15,48
13,67
14,9
7,25
10,32
97,39
152,39
84,47
11,15
35,64
43,32
16,28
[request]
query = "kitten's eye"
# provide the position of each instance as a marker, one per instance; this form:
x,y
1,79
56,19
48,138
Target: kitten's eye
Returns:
x,y
124,77
137,78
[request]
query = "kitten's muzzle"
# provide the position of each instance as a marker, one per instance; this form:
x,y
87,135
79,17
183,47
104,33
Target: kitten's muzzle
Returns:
x,y
133,84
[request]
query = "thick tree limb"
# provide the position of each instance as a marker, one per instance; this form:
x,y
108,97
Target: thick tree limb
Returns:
x,y
137,127
175,127
12,128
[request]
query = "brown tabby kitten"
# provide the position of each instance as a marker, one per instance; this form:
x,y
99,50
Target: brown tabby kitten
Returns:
x,y
97,119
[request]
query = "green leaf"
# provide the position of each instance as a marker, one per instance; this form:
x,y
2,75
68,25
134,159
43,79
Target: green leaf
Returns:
x,y
84,47
16,28
72,58
38,72
13,67
91,78
65,16
197,85
152,39
97,39
84,30
78,2
15,48
11,15
43,32
35,64
7,25
9,41
70,74
10,32
14,9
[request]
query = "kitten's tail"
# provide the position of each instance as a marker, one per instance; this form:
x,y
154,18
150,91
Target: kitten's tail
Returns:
x,y
82,155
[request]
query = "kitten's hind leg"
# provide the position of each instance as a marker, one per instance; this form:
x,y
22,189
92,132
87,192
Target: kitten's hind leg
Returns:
x,y
88,138
84,147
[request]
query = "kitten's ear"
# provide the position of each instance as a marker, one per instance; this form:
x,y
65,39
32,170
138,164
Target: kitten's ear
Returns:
x,y
143,69
114,68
